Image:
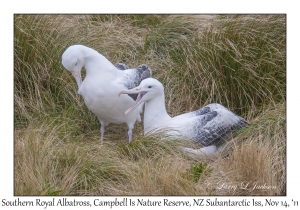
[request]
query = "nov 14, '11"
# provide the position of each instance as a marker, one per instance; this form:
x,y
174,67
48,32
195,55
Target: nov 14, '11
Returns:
x,y
270,202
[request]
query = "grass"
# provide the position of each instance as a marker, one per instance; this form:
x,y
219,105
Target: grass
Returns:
x,y
236,60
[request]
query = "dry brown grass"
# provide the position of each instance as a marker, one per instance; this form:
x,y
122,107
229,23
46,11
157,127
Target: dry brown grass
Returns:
x,y
46,164
256,157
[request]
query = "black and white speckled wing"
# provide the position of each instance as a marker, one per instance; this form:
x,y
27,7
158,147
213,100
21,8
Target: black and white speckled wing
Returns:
x,y
121,66
133,77
213,127
198,112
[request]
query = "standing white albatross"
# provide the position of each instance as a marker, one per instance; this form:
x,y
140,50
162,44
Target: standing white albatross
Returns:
x,y
102,83
208,126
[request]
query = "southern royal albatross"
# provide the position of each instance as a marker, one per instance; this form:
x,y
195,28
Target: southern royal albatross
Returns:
x,y
208,126
102,84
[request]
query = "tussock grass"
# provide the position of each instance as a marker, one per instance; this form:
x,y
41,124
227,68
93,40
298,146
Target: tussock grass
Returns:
x,y
256,156
236,60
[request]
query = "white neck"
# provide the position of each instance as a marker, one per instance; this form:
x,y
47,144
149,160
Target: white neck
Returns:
x,y
96,64
155,113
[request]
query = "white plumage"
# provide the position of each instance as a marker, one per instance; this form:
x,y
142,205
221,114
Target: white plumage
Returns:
x,y
208,126
102,84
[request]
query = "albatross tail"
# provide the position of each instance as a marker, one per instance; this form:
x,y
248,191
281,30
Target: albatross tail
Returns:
x,y
204,151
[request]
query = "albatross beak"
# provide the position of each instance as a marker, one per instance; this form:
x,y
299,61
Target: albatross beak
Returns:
x,y
77,78
135,90
137,101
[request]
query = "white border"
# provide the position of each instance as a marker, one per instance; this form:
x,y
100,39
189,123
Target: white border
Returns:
x,y
154,6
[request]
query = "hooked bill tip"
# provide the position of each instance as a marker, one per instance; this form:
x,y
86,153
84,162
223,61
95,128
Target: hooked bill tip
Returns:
x,y
120,93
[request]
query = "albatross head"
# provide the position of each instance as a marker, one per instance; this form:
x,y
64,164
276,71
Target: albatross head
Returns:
x,y
73,61
148,89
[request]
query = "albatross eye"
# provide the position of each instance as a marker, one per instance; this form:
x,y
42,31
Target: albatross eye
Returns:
x,y
149,86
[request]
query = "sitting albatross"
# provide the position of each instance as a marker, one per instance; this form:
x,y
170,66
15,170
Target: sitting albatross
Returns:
x,y
208,126
102,83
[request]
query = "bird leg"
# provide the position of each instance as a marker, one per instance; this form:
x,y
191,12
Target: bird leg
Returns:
x,y
130,133
102,133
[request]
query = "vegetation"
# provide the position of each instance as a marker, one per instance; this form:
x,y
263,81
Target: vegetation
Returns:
x,y
236,60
